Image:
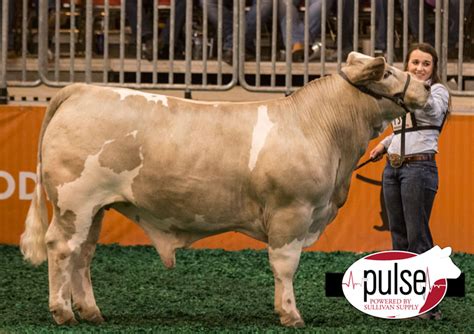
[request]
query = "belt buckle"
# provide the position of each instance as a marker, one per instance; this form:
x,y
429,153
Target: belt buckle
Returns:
x,y
395,160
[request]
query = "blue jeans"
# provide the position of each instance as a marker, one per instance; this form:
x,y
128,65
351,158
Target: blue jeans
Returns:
x,y
266,7
147,23
381,9
314,25
11,18
413,22
227,15
409,192
297,26
147,18
179,22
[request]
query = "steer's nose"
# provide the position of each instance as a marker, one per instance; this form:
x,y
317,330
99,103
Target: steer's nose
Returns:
x,y
427,86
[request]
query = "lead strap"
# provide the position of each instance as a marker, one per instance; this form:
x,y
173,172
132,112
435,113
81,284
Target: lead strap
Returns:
x,y
402,140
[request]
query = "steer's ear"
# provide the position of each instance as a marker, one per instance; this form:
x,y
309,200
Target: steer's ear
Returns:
x,y
359,72
357,58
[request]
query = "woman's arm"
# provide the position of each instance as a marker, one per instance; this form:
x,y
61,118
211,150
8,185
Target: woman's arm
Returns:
x,y
438,101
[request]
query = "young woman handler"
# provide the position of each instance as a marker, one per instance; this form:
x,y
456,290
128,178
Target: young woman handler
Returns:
x,y
410,178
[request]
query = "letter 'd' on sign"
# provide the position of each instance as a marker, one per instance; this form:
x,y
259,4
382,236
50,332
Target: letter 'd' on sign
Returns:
x,y
398,284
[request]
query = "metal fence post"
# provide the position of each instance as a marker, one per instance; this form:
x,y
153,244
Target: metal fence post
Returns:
x,y
43,39
188,47
4,52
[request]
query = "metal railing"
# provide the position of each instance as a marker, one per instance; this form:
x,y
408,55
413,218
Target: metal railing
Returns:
x,y
26,77
397,17
90,41
121,65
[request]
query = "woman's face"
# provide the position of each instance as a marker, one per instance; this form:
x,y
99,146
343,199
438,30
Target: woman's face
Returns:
x,y
420,65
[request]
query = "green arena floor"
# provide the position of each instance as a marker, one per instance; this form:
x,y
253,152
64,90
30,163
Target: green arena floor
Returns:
x,y
208,291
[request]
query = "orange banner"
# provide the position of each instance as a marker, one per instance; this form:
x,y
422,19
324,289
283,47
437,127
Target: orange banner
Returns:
x,y
358,227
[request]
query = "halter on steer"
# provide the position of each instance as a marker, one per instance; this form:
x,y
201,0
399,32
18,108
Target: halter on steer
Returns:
x,y
398,98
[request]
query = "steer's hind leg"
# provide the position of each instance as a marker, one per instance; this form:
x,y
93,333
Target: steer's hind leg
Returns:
x,y
82,292
60,266
286,238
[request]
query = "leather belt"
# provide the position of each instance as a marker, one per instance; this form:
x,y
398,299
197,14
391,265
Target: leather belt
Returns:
x,y
396,160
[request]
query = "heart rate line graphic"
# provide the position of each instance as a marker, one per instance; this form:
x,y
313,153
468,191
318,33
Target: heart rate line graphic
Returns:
x,y
352,282
440,284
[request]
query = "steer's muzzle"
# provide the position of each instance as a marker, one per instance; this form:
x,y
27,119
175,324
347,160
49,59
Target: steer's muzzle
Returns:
x,y
417,94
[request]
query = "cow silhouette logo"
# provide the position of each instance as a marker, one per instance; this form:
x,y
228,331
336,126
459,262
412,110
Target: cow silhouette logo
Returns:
x,y
399,284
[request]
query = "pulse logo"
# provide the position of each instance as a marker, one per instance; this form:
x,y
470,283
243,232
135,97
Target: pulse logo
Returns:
x,y
398,284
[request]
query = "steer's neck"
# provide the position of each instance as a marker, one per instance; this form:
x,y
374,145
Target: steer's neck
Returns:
x,y
333,111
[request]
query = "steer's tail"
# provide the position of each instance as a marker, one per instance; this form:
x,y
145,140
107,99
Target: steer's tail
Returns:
x,y
32,242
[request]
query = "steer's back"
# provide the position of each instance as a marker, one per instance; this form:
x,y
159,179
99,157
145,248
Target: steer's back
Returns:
x,y
172,156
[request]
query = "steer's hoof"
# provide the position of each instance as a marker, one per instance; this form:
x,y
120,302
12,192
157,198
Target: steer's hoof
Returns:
x,y
71,322
94,318
292,321
91,315
63,316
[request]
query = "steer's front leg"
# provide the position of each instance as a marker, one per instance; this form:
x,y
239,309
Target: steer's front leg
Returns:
x,y
285,245
284,262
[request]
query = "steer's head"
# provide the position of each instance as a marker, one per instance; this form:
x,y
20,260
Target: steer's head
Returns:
x,y
375,76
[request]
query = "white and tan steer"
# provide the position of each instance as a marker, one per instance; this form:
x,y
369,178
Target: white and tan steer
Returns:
x,y
276,170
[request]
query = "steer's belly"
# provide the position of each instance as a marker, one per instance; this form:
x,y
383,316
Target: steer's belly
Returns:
x,y
183,217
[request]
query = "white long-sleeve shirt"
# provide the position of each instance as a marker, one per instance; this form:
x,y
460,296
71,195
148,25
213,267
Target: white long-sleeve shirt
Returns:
x,y
423,141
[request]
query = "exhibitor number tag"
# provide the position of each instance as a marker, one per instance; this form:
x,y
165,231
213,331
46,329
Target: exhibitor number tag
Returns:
x,y
397,122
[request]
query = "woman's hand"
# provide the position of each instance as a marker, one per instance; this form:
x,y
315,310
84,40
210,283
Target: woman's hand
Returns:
x,y
377,153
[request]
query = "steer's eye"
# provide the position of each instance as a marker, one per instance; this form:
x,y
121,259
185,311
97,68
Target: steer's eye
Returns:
x,y
387,74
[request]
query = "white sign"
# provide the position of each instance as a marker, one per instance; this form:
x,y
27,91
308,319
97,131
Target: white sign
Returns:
x,y
398,284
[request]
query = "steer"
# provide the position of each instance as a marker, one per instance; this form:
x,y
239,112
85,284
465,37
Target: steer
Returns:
x,y
276,170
